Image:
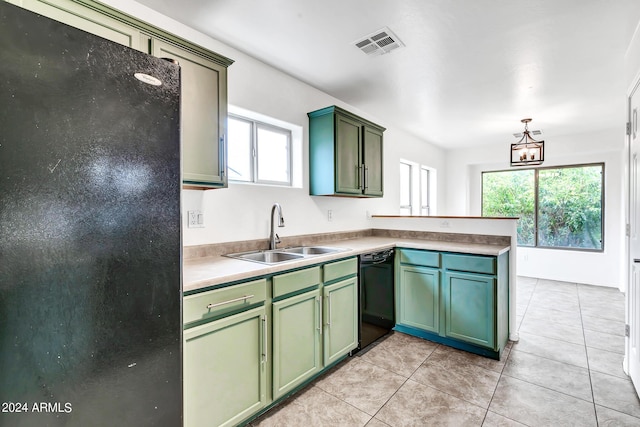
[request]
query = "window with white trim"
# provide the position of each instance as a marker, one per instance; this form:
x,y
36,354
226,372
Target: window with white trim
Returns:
x,y
416,187
258,152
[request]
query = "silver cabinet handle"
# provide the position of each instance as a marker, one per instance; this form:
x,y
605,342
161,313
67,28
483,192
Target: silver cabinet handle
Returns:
x,y
264,338
231,301
329,306
319,316
223,157
366,177
362,177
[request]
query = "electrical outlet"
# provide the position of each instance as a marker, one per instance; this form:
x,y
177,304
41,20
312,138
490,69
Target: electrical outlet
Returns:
x,y
329,215
445,224
368,215
195,219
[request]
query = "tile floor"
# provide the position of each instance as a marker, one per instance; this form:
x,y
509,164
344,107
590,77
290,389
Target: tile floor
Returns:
x,y
566,370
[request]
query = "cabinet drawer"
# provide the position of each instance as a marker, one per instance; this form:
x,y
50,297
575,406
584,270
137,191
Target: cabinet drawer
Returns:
x,y
336,270
295,281
471,263
217,302
417,257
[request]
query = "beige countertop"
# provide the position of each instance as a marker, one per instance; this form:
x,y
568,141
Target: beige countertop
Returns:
x,y
208,272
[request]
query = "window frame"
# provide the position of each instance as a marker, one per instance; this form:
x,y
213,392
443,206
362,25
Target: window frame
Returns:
x,y
425,189
536,173
255,126
410,205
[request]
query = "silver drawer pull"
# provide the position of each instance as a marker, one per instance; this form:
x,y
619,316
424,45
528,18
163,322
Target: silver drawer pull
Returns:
x,y
218,304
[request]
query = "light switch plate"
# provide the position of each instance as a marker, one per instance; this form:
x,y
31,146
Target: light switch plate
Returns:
x,y
195,219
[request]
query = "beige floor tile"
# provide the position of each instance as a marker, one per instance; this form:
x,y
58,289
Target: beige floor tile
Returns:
x,y
314,407
608,326
548,328
568,318
615,393
538,406
463,380
376,423
610,418
551,374
400,353
464,357
606,362
604,311
555,301
361,384
559,350
418,405
603,341
494,420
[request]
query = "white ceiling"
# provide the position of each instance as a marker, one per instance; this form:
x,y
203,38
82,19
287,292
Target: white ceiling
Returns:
x,y
471,69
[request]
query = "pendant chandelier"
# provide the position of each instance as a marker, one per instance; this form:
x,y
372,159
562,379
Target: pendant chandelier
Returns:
x,y
527,151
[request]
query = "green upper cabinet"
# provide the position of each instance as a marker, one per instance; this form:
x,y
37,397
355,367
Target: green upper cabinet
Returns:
x,y
90,20
203,115
203,78
345,154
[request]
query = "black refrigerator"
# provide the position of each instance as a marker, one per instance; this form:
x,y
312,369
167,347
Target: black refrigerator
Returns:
x,y
90,243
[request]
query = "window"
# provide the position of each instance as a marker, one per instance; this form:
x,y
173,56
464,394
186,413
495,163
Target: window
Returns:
x,y
258,152
415,188
558,207
425,174
405,188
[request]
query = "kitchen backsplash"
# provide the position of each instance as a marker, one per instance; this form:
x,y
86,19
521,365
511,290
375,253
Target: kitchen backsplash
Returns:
x,y
191,252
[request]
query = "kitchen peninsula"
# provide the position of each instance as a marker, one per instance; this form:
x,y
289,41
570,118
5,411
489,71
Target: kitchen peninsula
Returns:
x,y
275,327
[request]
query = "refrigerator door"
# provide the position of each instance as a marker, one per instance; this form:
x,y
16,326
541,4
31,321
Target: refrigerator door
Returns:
x,y
90,249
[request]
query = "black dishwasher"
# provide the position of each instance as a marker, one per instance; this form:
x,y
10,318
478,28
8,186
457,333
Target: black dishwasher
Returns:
x,y
377,308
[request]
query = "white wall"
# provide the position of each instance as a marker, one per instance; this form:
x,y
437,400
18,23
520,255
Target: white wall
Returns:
x,y
464,188
241,212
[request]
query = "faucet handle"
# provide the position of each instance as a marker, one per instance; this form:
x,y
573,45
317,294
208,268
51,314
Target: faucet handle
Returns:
x,y
277,239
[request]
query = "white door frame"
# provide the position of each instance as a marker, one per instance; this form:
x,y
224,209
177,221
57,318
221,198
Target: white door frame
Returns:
x,y
631,362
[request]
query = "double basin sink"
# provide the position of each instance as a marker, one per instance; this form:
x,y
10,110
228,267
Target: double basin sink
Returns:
x,y
276,256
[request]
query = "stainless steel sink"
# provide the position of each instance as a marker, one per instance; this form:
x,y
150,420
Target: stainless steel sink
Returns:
x,y
277,256
312,250
267,257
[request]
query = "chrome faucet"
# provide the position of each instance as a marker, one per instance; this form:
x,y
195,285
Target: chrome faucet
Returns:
x,y
274,239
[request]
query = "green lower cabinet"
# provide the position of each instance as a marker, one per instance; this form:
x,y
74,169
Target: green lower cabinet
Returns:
x,y
297,329
418,298
341,319
225,370
470,305
461,300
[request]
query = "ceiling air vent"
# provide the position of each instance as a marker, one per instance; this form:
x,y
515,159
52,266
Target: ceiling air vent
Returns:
x,y
379,42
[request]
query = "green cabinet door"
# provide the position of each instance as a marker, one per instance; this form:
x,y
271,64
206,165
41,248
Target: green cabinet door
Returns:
x,y
84,18
348,155
203,116
224,369
341,319
297,329
469,302
418,298
372,154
